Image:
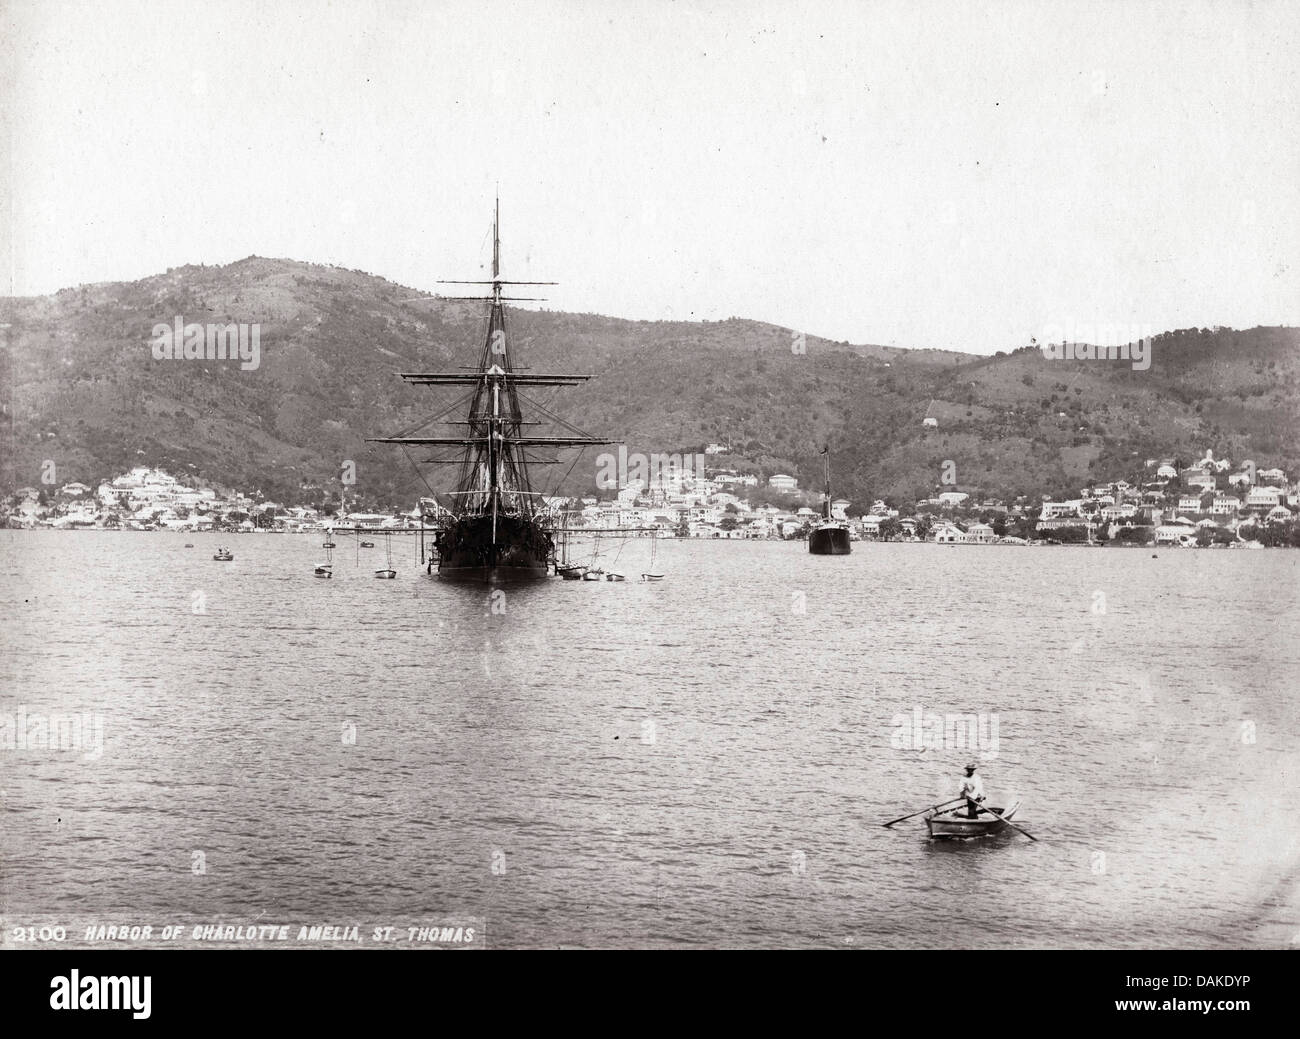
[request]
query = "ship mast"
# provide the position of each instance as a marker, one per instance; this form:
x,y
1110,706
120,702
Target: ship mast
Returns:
x,y
496,247
827,507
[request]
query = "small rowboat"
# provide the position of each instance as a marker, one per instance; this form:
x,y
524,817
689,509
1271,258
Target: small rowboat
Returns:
x,y
367,544
954,825
328,544
593,574
385,575
570,573
223,555
324,571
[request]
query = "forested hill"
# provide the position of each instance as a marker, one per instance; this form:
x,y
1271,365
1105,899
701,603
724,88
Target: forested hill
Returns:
x,y
86,392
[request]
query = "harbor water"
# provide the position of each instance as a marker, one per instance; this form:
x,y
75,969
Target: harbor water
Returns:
x,y
703,761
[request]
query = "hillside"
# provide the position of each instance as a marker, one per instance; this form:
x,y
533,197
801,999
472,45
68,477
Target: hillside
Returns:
x,y
85,392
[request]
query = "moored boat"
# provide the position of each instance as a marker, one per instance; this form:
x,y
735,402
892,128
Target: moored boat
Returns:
x,y
955,825
653,574
830,537
223,555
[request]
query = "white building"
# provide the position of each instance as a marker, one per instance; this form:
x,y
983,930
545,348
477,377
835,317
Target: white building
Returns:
x,y
736,480
947,534
1060,509
1264,497
1175,535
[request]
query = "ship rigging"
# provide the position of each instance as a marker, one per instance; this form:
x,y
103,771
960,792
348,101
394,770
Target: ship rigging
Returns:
x,y
495,527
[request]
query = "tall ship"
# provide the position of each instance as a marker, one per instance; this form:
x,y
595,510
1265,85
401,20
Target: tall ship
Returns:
x,y
830,537
494,527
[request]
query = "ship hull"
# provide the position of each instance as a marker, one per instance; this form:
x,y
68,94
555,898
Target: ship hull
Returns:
x,y
829,541
474,550
477,573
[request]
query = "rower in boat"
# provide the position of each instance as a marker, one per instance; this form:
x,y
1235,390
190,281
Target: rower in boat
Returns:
x,y
972,788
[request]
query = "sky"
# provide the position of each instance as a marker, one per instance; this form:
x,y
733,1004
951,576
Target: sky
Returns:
x,y
962,176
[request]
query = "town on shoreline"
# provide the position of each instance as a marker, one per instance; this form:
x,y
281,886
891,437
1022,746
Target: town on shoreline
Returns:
x,y
1210,503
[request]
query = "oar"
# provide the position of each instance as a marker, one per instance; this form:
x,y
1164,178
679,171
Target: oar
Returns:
x,y
932,808
1010,823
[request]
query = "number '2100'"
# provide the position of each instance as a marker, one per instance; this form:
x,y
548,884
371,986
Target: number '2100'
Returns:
x,y
32,934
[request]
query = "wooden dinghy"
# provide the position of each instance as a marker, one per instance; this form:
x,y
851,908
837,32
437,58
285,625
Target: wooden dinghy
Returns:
x,y
951,825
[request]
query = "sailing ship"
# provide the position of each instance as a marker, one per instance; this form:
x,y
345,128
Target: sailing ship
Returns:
x,y
495,528
830,537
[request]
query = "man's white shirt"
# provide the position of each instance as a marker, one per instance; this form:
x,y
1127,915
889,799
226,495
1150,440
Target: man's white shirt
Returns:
x,y
972,787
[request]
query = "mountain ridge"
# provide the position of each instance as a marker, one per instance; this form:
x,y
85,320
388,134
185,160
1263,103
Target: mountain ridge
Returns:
x,y
87,394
